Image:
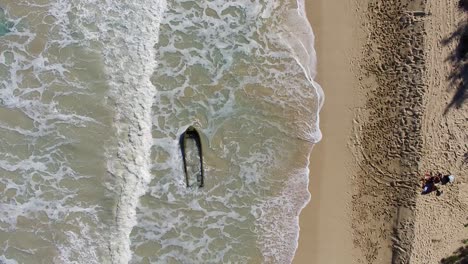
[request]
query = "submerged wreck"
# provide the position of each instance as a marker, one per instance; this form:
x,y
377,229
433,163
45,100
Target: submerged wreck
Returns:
x,y
192,156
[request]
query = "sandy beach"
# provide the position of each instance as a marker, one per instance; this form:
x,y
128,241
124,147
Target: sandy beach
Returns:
x,y
392,74
325,221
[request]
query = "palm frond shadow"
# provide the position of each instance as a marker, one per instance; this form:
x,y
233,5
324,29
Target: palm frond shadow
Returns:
x,y
460,256
463,5
458,78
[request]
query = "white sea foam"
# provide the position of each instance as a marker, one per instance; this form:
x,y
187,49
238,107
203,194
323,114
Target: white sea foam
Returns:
x,y
41,168
128,32
252,94
238,71
6,260
300,38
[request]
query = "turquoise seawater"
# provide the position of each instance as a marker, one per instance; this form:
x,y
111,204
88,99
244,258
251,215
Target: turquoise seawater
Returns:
x,y
94,96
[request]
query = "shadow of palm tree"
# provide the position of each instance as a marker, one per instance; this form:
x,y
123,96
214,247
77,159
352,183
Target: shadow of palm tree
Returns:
x,y
460,256
459,60
463,5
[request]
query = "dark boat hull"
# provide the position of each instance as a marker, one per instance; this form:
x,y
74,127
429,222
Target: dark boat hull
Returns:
x,y
191,134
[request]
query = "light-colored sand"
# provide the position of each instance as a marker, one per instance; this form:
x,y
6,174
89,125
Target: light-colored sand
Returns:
x,y
384,70
325,224
441,223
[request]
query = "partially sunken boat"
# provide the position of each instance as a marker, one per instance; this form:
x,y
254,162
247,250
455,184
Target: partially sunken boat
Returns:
x,y
192,156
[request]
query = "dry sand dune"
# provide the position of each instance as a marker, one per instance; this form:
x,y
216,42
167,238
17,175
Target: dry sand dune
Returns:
x,y
394,77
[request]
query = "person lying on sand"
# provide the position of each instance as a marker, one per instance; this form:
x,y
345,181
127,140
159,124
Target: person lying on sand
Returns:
x,y
429,183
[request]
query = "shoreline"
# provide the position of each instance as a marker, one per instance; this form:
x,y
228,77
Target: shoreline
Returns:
x,y
326,217
381,66
364,204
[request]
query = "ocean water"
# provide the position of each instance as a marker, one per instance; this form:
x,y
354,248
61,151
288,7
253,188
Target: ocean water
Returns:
x,y
94,95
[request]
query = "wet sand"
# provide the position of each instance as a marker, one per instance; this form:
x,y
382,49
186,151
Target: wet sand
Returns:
x,y
325,223
384,70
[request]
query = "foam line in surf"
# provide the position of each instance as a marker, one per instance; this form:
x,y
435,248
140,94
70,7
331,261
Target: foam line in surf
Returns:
x,y
129,31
